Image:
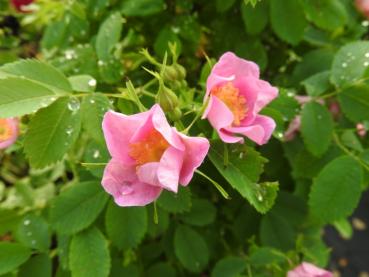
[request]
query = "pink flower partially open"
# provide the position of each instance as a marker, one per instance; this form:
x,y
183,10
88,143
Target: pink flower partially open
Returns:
x,y
147,156
237,95
9,131
308,270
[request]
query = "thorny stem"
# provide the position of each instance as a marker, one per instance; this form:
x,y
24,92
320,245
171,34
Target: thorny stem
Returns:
x,y
217,186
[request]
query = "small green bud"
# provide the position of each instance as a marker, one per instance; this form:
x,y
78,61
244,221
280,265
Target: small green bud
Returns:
x,y
176,114
166,98
181,71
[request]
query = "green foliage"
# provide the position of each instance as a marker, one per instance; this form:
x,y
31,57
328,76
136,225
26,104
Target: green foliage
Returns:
x,y
77,207
52,132
37,266
12,255
131,227
355,102
316,128
191,249
229,267
176,203
339,184
89,254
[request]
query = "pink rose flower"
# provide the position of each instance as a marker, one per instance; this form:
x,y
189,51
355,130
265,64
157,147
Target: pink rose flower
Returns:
x,y
9,131
363,7
361,130
308,270
148,156
237,95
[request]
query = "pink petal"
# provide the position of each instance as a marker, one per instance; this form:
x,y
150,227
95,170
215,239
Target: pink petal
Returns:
x,y
230,67
14,125
259,131
118,130
308,270
170,168
148,173
121,182
265,94
196,151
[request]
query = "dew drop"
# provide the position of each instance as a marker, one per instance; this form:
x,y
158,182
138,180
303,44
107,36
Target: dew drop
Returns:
x,y
29,234
92,83
92,101
241,155
100,63
344,65
96,154
365,23
367,55
126,190
69,130
260,197
366,64
290,94
26,222
70,54
279,135
73,105
33,242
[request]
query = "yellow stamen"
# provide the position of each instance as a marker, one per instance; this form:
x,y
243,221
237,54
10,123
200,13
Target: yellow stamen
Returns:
x,y
6,131
149,149
230,95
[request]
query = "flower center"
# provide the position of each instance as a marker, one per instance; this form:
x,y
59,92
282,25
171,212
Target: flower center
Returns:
x,y
230,95
6,131
149,149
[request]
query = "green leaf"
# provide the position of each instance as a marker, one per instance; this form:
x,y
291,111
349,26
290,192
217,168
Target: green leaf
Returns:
x,y
336,191
93,108
96,153
126,227
354,102
89,254
20,96
255,18
223,6
326,14
202,213
316,128
343,226
33,231
175,203
292,207
141,7
40,72
8,220
82,83
12,255
350,63
281,24
264,256
37,266
191,249
52,131
242,172
277,232
229,267
161,269
318,83
108,36
77,207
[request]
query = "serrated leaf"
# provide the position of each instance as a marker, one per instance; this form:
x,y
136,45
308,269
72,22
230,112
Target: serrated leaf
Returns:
x,y
191,249
281,24
93,108
141,7
326,14
82,83
336,191
12,255
175,202
354,102
277,232
318,83
37,266
202,213
264,256
20,96
255,18
242,172
350,63
52,131
229,267
89,254
77,207
38,71
33,231
108,35
126,227
316,128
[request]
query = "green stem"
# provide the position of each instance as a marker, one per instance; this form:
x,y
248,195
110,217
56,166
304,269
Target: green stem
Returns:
x,y
226,155
198,115
348,152
216,184
156,217
93,164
